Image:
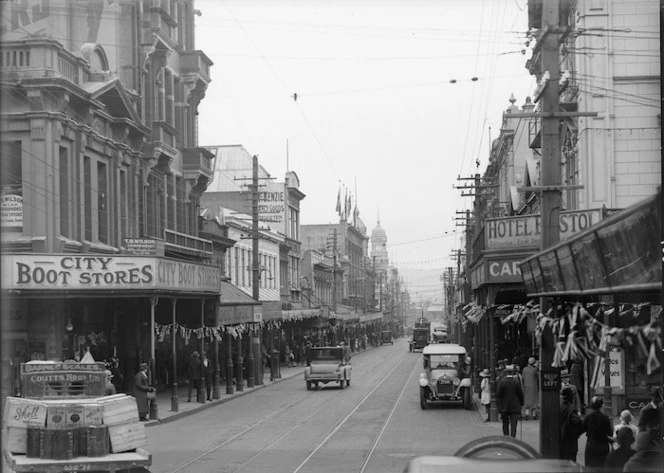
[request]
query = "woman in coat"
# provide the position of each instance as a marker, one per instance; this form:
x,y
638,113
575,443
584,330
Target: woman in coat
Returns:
x,y
485,386
141,389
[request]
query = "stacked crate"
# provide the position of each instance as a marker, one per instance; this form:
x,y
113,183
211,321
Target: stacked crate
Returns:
x,y
118,413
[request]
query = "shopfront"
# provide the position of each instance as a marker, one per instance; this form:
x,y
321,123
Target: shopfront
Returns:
x,y
609,280
62,306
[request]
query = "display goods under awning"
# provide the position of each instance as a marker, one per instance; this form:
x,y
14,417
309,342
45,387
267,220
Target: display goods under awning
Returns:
x,y
617,255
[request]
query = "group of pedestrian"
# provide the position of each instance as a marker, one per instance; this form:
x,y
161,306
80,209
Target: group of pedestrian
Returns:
x,y
512,399
637,449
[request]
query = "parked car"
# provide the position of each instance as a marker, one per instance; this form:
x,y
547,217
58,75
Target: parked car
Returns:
x,y
446,375
326,365
386,337
420,339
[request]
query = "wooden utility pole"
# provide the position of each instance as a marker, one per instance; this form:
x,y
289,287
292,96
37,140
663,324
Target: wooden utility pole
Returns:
x,y
334,283
551,202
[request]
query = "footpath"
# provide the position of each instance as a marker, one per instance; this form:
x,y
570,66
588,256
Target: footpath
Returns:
x,y
185,408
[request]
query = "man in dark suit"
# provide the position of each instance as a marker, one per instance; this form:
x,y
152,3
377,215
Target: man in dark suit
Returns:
x,y
510,400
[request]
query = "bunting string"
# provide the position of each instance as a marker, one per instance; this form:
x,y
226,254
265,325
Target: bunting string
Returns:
x,y
208,332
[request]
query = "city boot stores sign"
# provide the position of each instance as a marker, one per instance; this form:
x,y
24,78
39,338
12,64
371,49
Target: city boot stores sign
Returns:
x,y
94,272
526,230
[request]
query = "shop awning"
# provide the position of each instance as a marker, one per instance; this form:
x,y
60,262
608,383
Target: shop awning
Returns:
x,y
232,295
235,307
620,254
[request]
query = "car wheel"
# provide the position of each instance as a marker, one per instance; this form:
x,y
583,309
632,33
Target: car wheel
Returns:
x,y
423,399
308,385
467,399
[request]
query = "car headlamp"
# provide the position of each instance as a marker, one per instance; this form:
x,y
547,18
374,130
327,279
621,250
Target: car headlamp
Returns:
x,y
457,381
423,376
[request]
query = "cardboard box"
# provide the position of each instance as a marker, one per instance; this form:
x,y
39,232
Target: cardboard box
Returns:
x,y
20,412
127,436
74,415
118,410
92,414
56,416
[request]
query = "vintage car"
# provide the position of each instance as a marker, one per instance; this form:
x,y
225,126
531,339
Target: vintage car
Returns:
x,y
497,454
386,337
327,365
420,339
446,375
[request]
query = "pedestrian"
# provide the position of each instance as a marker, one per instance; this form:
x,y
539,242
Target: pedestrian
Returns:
x,y
577,380
626,419
571,425
510,400
615,460
109,389
117,379
485,397
193,374
208,371
565,381
599,432
141,389
648,456
531,388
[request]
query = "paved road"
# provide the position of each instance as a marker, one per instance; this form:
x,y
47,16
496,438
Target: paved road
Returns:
x,y
375,425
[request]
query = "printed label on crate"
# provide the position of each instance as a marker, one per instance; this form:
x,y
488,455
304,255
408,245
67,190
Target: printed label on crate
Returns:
x,y
20,412
74,415
15,439
93,414
56,417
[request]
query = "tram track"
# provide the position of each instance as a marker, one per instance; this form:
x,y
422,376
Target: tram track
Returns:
x,y
294,431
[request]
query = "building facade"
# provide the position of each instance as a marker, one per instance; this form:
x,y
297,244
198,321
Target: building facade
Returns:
x,y
101,181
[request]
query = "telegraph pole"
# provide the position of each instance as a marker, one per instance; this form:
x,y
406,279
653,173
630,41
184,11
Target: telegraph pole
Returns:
x,y
551,202
334,283
255,263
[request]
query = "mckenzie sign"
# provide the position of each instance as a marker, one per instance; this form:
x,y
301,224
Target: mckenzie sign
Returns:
x,y
95,272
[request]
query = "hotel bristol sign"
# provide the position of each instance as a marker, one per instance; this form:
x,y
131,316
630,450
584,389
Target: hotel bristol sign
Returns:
x,y
526,230
97,272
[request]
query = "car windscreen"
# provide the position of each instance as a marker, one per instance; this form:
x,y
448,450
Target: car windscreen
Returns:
x,y
326,355
444,361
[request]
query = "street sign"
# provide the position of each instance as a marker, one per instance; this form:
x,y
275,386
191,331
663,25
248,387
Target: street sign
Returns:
x,y
550,380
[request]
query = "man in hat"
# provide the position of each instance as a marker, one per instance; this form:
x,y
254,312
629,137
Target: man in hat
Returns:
x,y
565,382
141,389
509,395
194,374
571,425
531,388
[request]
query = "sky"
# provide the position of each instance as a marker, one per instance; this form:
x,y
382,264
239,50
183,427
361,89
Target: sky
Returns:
x,y
390,101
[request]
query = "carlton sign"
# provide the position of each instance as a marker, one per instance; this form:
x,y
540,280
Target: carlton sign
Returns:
x,y
525,230
95,272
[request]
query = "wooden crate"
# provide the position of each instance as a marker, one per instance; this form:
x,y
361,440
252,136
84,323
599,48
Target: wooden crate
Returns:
x,y
119,409
127,436
74,415
15,439
56,416
92,414
20,412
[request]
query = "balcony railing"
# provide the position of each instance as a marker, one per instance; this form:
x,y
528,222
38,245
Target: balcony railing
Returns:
x,y
41,58
188,242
